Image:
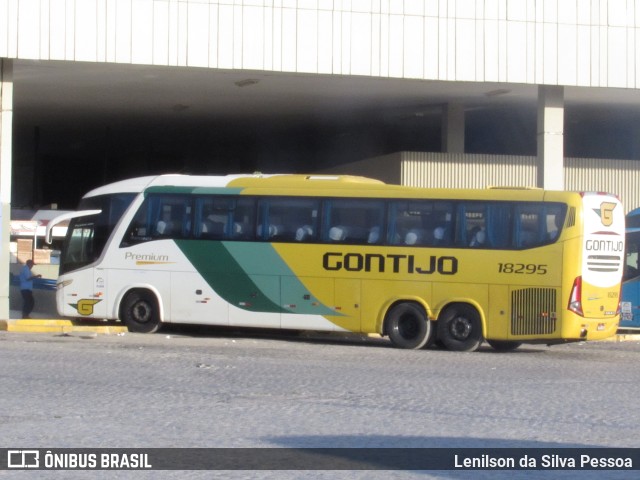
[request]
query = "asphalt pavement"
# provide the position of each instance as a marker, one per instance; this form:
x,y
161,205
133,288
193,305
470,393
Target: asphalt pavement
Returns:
x,y
222,388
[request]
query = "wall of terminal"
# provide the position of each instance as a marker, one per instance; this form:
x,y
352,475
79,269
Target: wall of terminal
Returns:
x,y
575,43
442,170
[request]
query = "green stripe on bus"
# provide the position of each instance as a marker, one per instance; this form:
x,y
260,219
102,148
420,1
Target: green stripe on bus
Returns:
x,y
264,262
224,266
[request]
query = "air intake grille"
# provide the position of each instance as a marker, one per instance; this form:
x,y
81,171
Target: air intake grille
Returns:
x,y
604,263
571,217
533,311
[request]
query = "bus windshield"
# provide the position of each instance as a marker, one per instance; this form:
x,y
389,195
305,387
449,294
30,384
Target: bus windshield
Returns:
x,y
88,235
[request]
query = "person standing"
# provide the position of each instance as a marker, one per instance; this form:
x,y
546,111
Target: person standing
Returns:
x,y
26,288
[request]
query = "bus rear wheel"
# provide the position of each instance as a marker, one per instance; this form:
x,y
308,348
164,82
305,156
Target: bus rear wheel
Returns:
x,y
504,345
408,326
460,329
140,312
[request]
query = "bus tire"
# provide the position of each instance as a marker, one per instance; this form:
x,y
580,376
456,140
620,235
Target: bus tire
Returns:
x,y
504,345
140,312
408,326
460,329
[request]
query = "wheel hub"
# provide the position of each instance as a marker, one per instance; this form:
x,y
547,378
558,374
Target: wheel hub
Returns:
x,y
141,313
460,328
408,327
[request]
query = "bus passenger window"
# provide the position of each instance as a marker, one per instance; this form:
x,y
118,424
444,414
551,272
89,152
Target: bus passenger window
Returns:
x,y
242,223
416,236
555,220
212,214
304,233
354,221
165,225
288,219
477,237
472,228
174,219
420,223
374,235
538,224
160,216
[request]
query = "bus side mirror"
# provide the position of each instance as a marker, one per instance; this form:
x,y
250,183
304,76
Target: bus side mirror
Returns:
x,y
65,216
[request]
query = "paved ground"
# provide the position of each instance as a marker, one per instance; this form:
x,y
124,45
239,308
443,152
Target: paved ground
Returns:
x,y
222,388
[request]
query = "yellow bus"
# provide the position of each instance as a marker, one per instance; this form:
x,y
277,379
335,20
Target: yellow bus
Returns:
x,y
345,253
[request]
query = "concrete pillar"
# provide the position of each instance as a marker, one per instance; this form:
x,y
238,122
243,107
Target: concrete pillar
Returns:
x,y
6,124
551,137
453,128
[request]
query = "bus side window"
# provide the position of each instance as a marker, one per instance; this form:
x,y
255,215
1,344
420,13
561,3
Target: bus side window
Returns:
x,y
554,221
288,219
420,223
159,216
527,226
471,230
142,227
138,231
174,217
212,214
538,224
242,222
499,225
354,221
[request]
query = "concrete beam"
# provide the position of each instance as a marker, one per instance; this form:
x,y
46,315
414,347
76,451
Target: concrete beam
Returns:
x,y
551,137
6,127
453,128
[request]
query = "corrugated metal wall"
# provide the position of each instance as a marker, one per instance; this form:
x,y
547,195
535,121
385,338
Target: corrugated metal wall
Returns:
x,y
617,176
444,170
431,169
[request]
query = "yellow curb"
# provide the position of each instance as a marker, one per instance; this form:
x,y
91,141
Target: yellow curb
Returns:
x,y
54,322
58,326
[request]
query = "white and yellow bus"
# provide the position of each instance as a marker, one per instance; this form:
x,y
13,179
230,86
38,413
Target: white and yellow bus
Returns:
x,y
343,253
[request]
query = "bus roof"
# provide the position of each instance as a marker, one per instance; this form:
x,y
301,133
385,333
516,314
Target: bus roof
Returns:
x,y
316,184
139,184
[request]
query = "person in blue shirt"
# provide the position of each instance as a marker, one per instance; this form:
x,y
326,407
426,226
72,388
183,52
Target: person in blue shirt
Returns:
x,y
26,288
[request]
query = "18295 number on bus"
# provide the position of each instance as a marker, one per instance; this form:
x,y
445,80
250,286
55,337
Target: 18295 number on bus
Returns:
x,y
523,268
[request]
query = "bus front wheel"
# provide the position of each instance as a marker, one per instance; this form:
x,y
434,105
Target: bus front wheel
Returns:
x,y
408,326
460,328
140,312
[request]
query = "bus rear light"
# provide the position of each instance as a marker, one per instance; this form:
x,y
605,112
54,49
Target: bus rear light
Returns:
x,y
575,300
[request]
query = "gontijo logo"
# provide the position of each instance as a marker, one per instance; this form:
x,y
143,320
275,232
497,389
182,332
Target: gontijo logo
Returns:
x,y
85,306
397,263
606,213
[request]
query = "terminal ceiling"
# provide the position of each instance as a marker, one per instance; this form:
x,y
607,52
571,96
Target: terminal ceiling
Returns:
x,y
109,121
